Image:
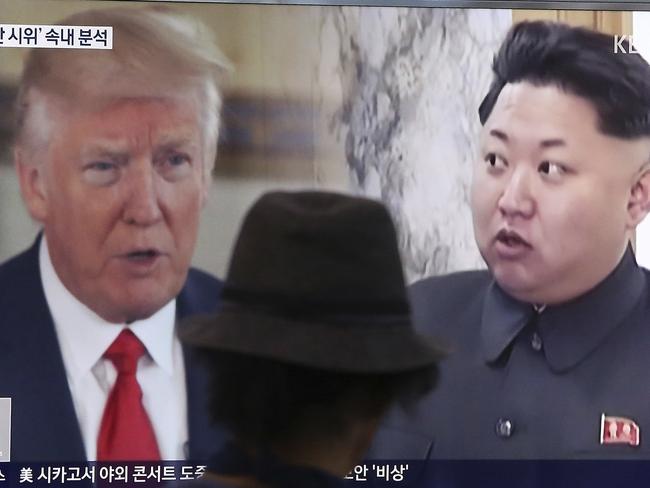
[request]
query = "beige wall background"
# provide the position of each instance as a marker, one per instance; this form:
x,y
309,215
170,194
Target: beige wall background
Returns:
x,y
605,21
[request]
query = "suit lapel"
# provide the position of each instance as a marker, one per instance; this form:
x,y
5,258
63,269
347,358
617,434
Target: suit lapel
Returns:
x,y
197,297
204,438
44,423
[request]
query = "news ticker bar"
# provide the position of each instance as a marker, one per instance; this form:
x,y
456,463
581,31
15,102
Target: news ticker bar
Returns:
x,y
413,474
92,473
56,36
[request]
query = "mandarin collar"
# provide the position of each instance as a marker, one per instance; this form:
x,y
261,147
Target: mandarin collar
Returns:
x,y
503,318
571,330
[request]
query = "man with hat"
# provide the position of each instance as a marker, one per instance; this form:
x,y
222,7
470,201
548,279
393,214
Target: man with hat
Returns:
x,y
550,344
312,343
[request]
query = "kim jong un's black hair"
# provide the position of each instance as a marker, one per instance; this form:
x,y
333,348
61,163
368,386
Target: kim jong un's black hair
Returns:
x,y
581,62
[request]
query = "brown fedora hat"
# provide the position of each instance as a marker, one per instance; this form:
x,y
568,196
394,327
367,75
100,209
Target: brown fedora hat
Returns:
x,y
315,279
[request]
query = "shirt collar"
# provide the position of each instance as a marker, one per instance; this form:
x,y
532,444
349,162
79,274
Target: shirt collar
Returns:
x,y
569,331
84,336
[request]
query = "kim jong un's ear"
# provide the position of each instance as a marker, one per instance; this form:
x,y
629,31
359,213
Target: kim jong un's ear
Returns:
x,y
639,202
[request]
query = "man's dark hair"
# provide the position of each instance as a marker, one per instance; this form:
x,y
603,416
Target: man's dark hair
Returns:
x,y
581,62
263,401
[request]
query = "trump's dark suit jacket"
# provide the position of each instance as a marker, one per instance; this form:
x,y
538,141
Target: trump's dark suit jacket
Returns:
x,y
44,426
519,383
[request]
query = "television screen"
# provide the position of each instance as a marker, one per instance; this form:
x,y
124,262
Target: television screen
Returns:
x,y
380,101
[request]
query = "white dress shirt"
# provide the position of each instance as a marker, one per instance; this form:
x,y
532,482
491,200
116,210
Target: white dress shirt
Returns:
x,y
84,337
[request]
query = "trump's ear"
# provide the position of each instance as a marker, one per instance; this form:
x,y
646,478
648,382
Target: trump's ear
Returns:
x,y
206,186
32,187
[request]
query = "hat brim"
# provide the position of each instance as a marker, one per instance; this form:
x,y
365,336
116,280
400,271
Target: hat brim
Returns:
x,y
387,348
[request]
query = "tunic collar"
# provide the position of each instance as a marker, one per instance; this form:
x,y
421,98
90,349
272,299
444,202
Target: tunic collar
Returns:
x,y
569,331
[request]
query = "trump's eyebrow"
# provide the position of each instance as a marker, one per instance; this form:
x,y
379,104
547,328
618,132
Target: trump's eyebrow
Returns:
x,y
105,148
176,137
544,144
176,143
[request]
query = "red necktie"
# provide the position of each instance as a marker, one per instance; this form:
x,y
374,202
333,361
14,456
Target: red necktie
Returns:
x,y
126,433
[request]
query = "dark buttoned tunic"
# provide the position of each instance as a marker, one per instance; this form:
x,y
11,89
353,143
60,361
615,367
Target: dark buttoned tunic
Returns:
x,y
523,384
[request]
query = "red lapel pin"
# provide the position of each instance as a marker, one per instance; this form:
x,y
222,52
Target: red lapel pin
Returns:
x,y
619,430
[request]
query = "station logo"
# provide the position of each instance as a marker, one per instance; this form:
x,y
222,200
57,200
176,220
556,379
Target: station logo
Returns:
x,y
624,44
